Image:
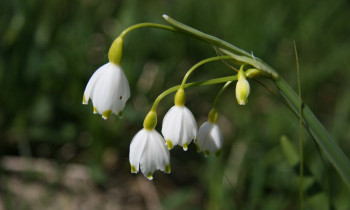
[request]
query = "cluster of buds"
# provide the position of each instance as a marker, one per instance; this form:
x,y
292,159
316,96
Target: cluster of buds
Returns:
x,y
109,91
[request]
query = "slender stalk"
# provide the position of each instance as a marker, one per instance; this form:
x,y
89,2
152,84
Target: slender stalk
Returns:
x,y
144,25
201,63
192,84
221,92
223,46
301,143
206,37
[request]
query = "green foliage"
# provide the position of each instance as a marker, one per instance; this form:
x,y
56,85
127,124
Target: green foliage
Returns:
x,y
49,50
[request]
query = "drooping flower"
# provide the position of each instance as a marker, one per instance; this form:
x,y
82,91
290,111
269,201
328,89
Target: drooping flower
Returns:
x,y
108,89
242,88
209,137
148,151
179,126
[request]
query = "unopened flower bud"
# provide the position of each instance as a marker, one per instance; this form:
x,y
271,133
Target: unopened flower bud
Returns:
x,y
242,88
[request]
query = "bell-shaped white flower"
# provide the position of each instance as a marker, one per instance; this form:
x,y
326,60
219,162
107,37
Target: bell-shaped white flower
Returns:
x,y
148,152
108,89
179,127
209,137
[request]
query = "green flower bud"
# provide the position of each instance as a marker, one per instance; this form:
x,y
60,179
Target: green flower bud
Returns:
x,y
252,73
242,88
116,51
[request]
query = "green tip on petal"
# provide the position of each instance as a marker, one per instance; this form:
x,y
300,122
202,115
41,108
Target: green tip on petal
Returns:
x,y
95,110
185,146
170,144
206,153
167,169
149,176
217,153
84,100
106,114
133,169
120,114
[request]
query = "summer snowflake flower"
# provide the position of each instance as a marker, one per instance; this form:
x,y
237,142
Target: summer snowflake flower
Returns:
x,y
179,127
108,89
148,152
209,137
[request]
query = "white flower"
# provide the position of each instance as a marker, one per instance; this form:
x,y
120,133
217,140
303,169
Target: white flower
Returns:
x,y
209,139
148,151
108,89
179,127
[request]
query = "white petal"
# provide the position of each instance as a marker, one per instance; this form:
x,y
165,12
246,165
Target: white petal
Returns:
x,y
103,92
209,137
172,123
137,147
217,140
179,126
92,82
189,127
122,94
155,155
162,155
112,90
202,136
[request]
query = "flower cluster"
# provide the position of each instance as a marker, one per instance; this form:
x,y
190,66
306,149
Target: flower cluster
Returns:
x,y
109,90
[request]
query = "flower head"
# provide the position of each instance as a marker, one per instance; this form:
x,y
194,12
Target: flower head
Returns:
x,y
108,89
148,152
209,137
179,127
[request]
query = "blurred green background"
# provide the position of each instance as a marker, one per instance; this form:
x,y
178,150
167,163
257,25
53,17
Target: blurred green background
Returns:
x,y
55,154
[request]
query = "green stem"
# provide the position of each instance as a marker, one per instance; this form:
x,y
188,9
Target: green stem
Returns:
x,y
206,37
201,63
301,143
317,131
192,84
221,92
143,25
225,47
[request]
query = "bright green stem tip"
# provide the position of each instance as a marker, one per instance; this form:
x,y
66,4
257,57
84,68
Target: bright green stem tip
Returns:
x,y
212,116
115,53
180,97
150,121
241,74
